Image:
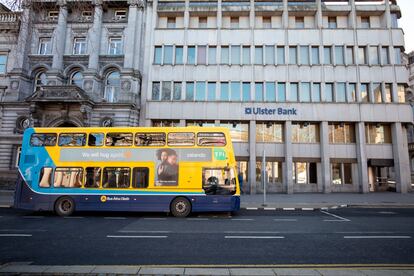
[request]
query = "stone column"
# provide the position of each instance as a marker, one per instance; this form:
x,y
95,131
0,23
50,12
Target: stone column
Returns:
x,y
252,157
288,171
130,32
319,22
325,161
23,44
361,157
401,158
139,55
95,37
352,15
59,37
285,16
387,14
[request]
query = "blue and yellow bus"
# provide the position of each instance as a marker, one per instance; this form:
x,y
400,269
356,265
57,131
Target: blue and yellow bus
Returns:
x,y
177,170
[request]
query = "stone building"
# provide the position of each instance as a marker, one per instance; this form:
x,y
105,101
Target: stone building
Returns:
x,y
68,63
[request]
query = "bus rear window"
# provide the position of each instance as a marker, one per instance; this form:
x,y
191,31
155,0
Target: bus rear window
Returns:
x,y
43,139
181,139
150,139
72,139
118,139
211,139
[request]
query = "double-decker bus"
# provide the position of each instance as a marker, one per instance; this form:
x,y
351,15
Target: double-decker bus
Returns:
x,y
178,170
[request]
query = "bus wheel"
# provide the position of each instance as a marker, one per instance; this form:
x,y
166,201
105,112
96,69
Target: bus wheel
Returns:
x,y
64,206
180,207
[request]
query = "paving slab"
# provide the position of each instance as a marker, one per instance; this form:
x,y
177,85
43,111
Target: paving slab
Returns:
x,y
23,268
114,269
294,272
69,269
340,272
207,271
383,272
161,271
252,271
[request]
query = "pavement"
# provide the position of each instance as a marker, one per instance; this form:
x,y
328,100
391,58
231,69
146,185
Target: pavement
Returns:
x,y
304,201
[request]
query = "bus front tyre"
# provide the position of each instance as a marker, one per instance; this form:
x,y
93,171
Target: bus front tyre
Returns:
x,y
180,207
64,206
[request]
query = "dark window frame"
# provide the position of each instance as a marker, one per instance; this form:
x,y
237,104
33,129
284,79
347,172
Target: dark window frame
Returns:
x,y
77,133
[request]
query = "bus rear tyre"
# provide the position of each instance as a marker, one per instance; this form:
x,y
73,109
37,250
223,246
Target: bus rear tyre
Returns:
x,y
64,206
180,207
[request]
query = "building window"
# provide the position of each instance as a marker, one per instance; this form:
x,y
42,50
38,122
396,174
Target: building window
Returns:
x,y
378,134
293,57
316,92
239,131
168,54
165,123
212,55
328,92
327,55
305,133
202,22
246,91
246,55
225,57
377,92
294,92
270,55
332,23
200,94
339,55
394,20
315,55
171,22
201,55
179,55
352,92
120,14
224,91
40,80
235,54
388,93
341,133
79,46
340,93
112,86
364,92
258,55
350,55
53,15
304,173
281,55
259,92
385,59
115,46
211,91
166,91
158,55
270,91
269,132
299,22
274,173
362,55
177,91
267,22
235,91
189,91
234,22
87,15
341,173
373,55
304,55
45,46
305,92
76,78
365,23
3,63
281,92
155,95
397,52
401,93
191,55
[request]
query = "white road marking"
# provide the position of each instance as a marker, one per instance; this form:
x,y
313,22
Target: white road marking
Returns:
x,y
335,216
308,209
15,235
254,237
285,220
142,231
5,206
197,219
366,232
387,213
377,237
114,218
251,232
240,219
251,208
289,209
155,218
269,208
136,237
73,217
32,217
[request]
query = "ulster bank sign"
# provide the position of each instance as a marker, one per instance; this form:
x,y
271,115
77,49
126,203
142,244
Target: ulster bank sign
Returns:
x,y
270,111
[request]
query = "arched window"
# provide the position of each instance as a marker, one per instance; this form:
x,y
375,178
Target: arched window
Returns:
x,y
76,78
40,80
112,86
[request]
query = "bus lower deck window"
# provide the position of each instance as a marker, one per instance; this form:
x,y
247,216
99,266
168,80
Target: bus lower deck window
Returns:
x,y
68,177
116,177
93,177
45,177
140,178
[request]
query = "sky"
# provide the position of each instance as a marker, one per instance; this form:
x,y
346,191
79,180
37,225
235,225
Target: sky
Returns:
x,y
407,22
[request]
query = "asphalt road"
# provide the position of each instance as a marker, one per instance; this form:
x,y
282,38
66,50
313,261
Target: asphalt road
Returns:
x,y
341,236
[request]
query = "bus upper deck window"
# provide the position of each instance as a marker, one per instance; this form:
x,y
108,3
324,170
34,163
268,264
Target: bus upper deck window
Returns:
x,y
150,139
43,139
181,139
118,139
72,139
211,139
95,139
